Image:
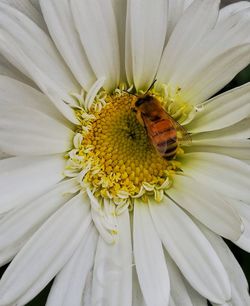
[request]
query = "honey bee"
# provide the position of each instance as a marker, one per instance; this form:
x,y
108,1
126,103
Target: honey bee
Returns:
x,y
165,133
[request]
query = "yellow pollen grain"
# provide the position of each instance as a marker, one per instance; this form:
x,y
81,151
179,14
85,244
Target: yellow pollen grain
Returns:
x,y
121,151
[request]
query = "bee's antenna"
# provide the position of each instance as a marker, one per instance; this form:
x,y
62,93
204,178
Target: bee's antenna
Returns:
x,y
151,86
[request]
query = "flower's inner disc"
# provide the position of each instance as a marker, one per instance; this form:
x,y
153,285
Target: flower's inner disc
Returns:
x,y
116,151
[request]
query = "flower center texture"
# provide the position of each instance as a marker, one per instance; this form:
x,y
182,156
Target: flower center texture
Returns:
x,y
113,155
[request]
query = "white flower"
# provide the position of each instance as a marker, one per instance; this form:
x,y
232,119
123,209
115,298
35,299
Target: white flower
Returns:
x,y
82,178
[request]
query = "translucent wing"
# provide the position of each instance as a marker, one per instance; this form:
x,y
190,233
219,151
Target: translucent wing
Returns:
x,y
184,138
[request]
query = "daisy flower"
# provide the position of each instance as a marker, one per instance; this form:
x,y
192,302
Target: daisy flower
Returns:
x,y
86,197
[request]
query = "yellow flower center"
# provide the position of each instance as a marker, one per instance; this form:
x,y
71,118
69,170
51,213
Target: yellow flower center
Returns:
x,y
121,151
113,155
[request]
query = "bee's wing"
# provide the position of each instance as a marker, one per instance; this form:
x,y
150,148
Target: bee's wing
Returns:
x,y
184,138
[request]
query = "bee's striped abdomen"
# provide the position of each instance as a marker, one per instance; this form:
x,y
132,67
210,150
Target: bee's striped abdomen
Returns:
x,y
168,147
171,150
164,137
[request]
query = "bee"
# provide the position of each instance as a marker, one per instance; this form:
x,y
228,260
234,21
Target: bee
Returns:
x,y
165,133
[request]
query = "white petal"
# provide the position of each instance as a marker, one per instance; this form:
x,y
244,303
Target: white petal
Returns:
x,y
224,174
196,298
236,135
232,141
18,226
26,131
120,8
197,20
148,24
226,137
15,93
171,302
240,295
54,93
239,131
59,20
244,211
36,4
149,258
191,252
239,150
207,206
226,37
208,78
233,8
175,11
68,286
24,178
178,288
223,110
7,69
36,56
112,278
90,97
128,49
95,20
244,241
187,3
87,294
36,45
45,253
138,299
3,155
29,10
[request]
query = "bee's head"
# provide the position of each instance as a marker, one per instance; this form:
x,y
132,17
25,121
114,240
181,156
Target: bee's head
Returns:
x,y
142,104
142,100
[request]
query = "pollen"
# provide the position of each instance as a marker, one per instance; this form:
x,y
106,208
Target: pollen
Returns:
x,y
113,156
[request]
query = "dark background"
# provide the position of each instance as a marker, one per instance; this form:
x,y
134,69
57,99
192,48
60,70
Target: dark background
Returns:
x,y
242,256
